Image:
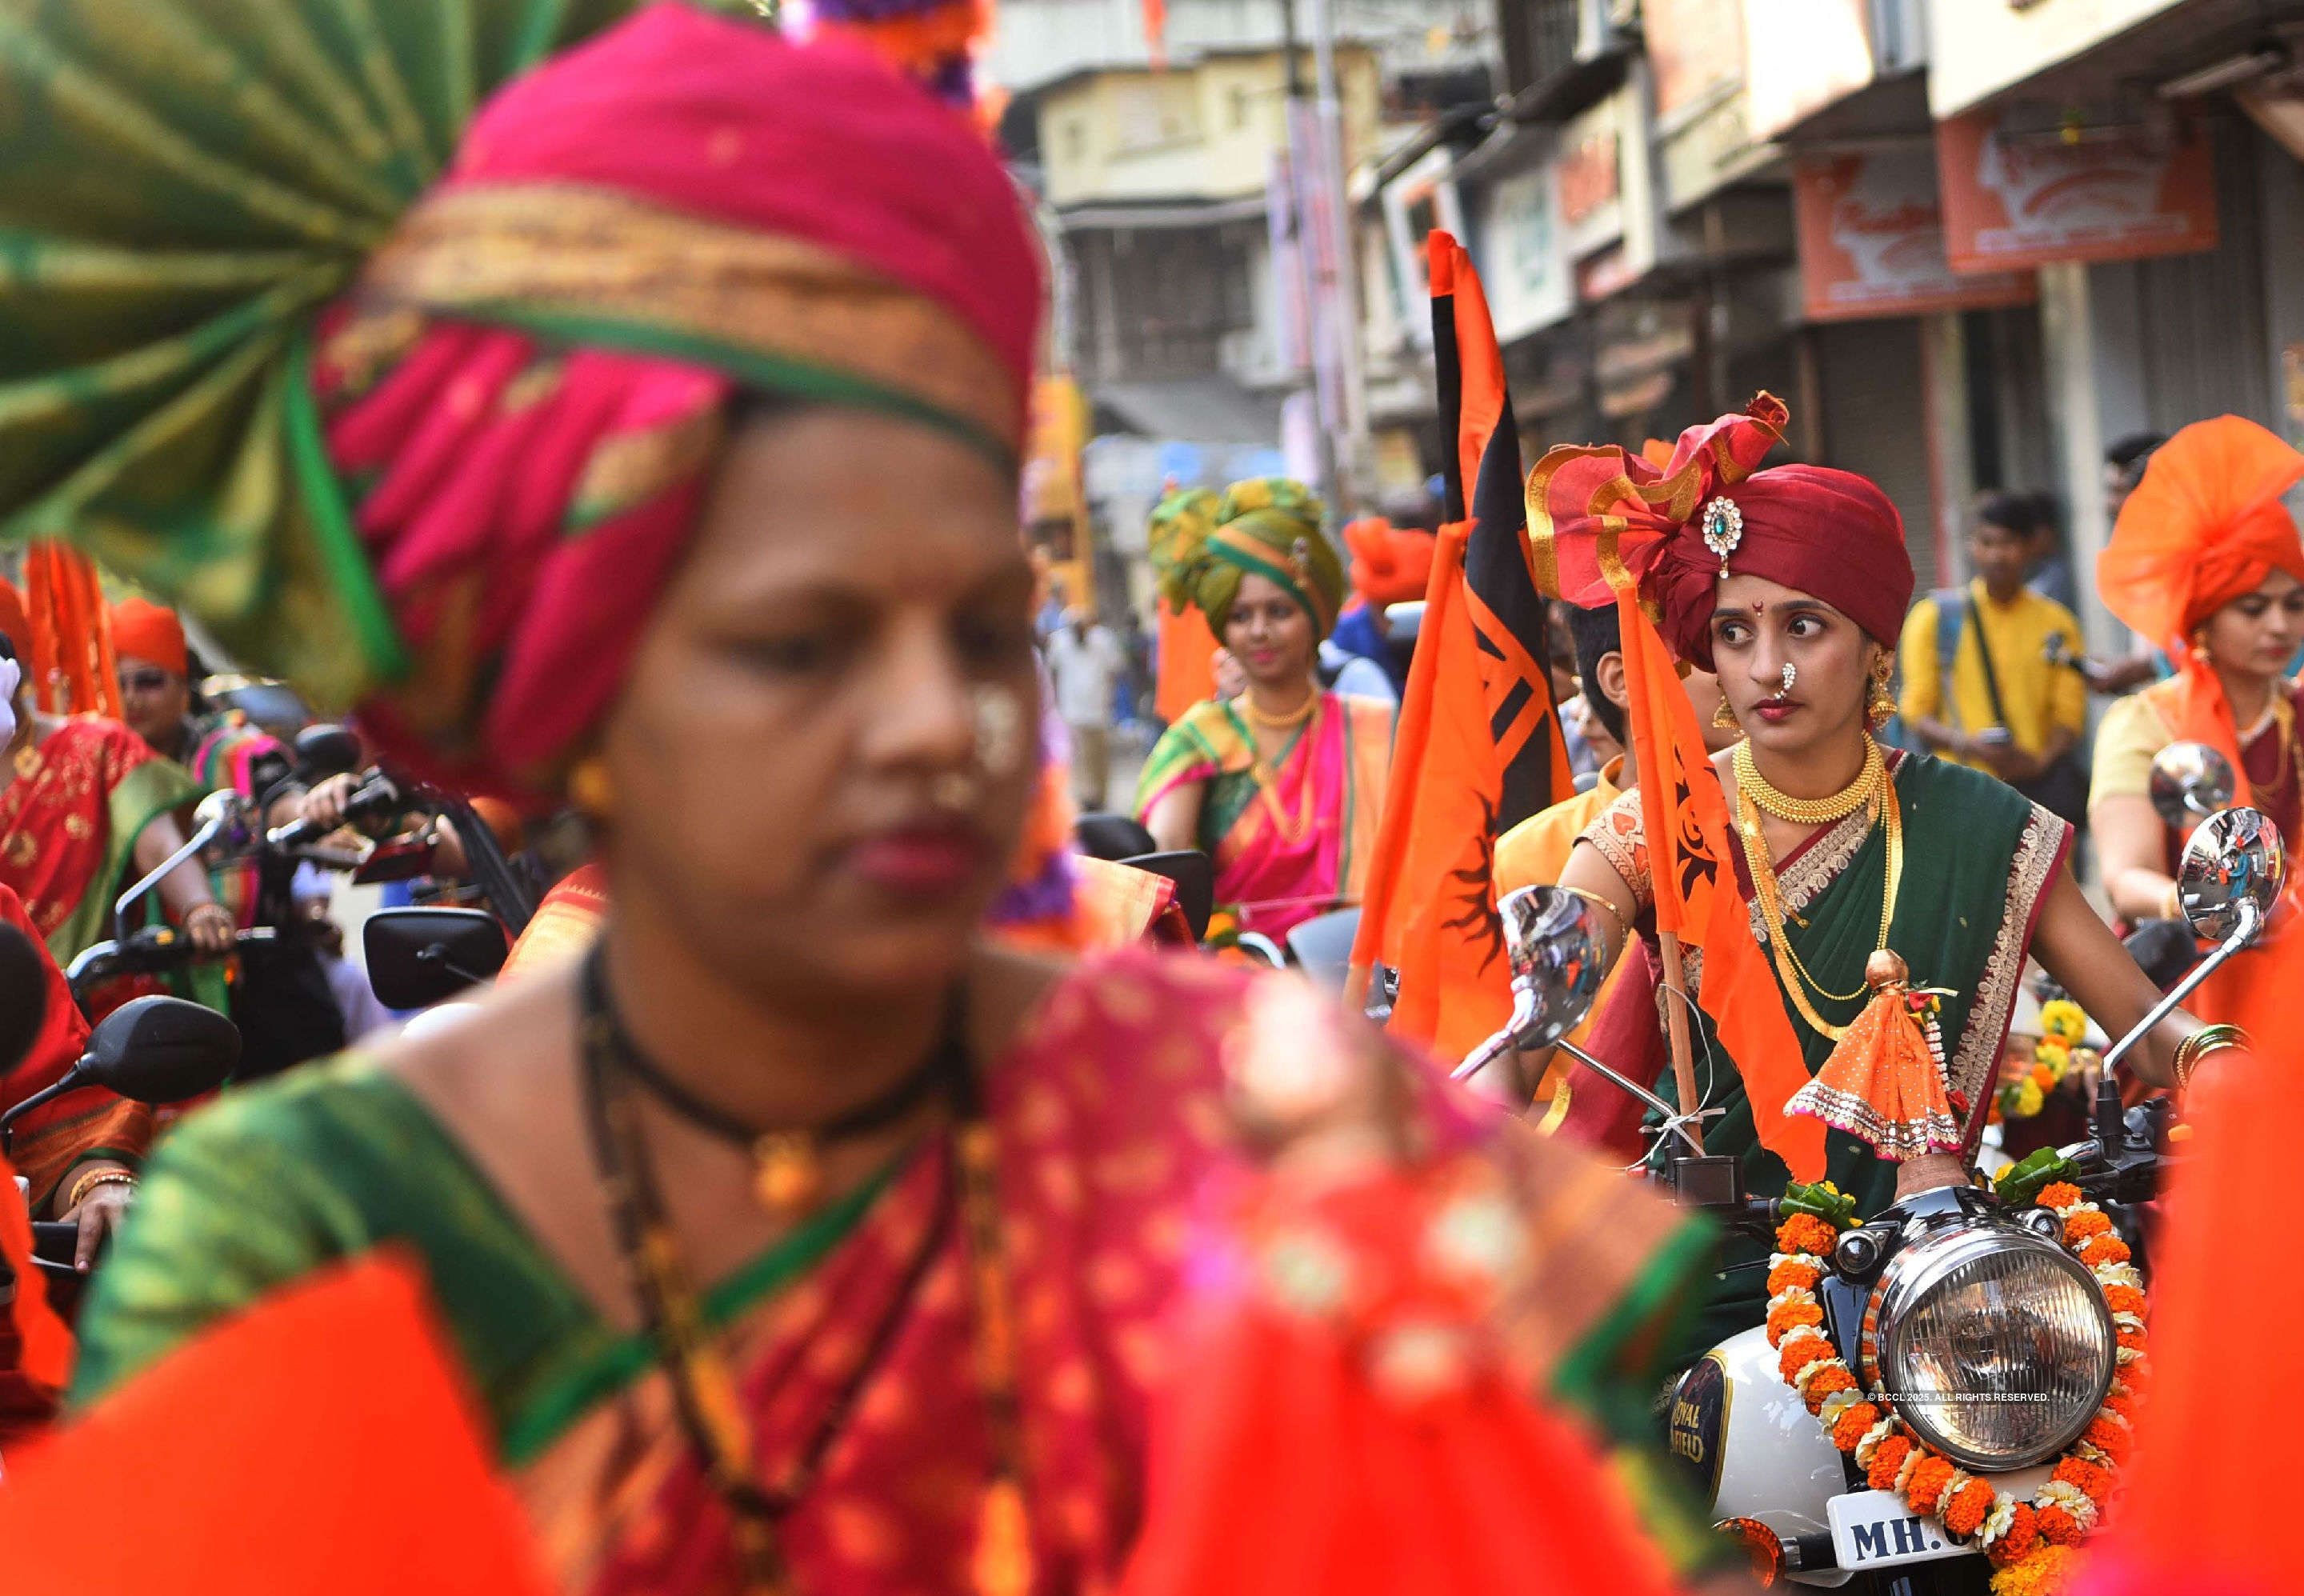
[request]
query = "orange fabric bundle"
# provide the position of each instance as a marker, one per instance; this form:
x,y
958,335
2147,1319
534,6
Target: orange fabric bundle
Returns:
x,y
1885,1081
2203,527
69,660
1389,566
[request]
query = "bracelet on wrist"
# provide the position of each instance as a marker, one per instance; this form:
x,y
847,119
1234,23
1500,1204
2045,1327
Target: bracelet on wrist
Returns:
x,y
94,1178
2206,1040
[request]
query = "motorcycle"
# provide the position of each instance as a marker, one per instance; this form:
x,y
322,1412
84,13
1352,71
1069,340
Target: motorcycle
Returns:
x,y
151,1050
1958,1308
228,828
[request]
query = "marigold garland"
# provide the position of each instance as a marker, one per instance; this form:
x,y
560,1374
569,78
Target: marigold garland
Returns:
x,y
2030,1543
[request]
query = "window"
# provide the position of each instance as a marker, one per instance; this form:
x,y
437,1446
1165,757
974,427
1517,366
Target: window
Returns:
x,y
1239,116
1075,138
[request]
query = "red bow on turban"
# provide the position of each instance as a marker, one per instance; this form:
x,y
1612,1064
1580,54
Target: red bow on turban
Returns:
x,y
1598,514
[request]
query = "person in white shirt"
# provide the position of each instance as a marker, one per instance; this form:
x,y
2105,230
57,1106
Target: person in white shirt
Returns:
x,y
1085,662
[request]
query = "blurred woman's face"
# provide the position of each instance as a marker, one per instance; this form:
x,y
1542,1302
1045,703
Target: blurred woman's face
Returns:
x,y
822,758
1761,627
154,699
2258,633
1269,635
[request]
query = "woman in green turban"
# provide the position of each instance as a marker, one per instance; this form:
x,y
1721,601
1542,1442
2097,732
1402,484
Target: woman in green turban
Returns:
x,y
1283,785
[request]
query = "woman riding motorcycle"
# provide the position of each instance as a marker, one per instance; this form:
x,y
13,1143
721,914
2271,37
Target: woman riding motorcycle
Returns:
x,y
2206,562
1791,583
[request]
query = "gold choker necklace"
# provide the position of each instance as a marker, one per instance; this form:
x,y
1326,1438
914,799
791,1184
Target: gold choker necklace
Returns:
x,y
1279,723
1811,811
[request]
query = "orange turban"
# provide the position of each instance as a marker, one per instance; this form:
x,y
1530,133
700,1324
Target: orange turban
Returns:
x,y
1389,566
15,620
150,632
2205,526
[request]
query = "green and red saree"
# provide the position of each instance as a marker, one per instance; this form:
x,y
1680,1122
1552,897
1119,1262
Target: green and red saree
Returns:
x,y
1977,859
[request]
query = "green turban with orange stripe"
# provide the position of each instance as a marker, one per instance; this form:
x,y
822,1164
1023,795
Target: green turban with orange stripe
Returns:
x,y
1270,526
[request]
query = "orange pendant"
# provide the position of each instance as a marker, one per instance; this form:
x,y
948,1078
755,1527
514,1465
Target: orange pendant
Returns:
x,y
1003,1542
787,1179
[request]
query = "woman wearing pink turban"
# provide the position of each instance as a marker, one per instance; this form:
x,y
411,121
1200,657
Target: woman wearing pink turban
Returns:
x,y
799,1236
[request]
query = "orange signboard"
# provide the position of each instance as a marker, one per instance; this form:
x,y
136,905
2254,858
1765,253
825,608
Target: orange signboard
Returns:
x,y
1872,242
2033,199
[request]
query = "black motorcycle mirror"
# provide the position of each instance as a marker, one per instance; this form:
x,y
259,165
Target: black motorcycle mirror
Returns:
x,y
1553,948
23,995
150,1050
418,957
2189,782
326,750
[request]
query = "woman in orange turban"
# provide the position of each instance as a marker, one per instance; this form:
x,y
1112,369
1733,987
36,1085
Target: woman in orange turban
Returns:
x,y
2206,562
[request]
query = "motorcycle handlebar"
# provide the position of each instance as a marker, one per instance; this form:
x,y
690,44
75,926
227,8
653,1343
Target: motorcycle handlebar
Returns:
x,y
377,798
150,951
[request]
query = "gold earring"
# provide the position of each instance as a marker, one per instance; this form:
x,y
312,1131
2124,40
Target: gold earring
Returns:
x,y
591,788
1881,709
2200,646
1724,718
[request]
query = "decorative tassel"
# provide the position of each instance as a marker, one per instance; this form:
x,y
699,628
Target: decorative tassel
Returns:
x,y
1003,1542
1885,1081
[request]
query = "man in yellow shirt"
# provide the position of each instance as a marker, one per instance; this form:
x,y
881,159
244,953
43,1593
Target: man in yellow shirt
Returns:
x,y
1535,852
1993,683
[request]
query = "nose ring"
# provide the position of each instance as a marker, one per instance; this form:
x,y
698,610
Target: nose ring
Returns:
x,y
955,790
1791,675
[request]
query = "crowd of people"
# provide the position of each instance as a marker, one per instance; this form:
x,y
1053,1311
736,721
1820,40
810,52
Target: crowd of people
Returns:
x,y
838,1192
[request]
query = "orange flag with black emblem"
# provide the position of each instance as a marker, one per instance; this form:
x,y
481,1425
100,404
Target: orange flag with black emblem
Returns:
x,y
1597,518
1685,815
1478,748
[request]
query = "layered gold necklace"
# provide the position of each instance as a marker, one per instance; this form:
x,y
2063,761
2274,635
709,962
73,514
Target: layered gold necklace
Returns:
x,y
1754,794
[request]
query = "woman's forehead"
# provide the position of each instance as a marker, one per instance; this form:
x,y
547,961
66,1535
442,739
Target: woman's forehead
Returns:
x,y
1750,596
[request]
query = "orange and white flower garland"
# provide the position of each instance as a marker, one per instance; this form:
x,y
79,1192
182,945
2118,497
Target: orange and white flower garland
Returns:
x,y
2030,1542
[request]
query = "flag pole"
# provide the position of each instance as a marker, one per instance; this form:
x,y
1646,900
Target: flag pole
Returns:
x,y
1675,1020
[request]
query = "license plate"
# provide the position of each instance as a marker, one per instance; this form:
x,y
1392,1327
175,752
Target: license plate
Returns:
x,y
1873,1529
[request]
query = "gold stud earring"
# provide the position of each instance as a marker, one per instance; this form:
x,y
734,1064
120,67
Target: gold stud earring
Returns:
x,y
591,788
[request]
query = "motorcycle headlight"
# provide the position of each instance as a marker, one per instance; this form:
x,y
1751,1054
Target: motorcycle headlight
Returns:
x,y
1995,1345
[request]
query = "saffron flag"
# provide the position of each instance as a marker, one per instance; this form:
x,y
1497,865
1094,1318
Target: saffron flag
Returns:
x,y
1598,519
320,1441
1477,748
1685,815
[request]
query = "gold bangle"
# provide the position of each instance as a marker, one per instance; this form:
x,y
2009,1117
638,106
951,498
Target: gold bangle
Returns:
x,y
2208,1039
96,1177
1598,902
